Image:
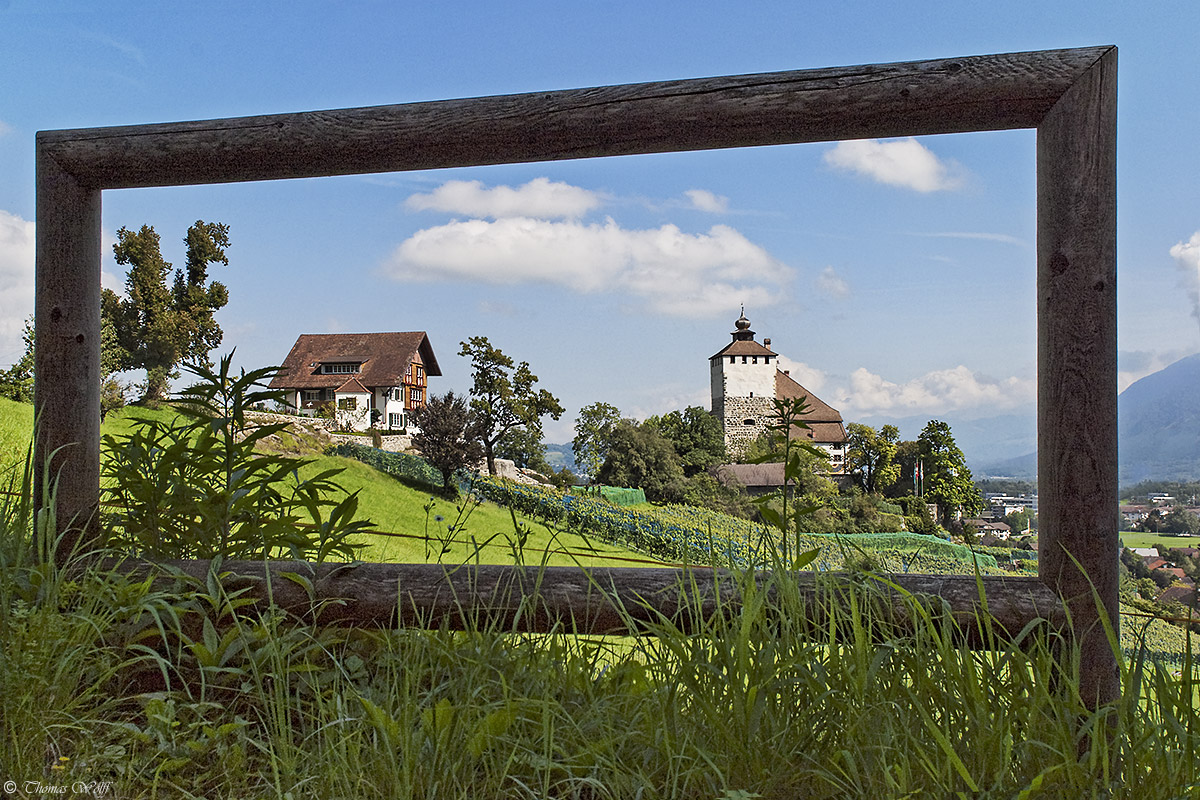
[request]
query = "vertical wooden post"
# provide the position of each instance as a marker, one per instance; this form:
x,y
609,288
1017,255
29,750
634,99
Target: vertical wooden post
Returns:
x,y
67,350
1077,363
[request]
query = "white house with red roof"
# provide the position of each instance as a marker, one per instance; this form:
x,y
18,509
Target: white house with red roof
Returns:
x,y
368,378
745,380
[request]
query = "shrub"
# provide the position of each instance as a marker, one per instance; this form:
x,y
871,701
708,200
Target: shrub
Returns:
x,y
195,487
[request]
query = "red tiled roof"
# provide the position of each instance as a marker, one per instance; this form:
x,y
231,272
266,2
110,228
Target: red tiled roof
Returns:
x,y
384,358
353,385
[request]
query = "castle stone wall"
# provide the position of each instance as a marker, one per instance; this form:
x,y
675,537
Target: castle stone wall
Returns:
x,y
735,413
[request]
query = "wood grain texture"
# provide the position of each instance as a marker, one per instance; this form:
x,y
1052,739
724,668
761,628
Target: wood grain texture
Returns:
x,y
974,93
595,601
67,349
1077,361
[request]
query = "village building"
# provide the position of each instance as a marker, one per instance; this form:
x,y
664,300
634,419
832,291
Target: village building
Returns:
x,y
745,380
364,379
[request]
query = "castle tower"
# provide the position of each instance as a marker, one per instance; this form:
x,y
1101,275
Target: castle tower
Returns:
x,y
745,379
742,379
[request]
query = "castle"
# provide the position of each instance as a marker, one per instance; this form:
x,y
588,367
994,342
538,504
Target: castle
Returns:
x,y
746,379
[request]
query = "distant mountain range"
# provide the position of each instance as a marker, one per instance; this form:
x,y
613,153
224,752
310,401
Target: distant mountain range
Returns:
x,y
1159,425
1158,428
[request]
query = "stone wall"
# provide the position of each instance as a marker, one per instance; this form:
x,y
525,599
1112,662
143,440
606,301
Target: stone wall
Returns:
x,y
735,411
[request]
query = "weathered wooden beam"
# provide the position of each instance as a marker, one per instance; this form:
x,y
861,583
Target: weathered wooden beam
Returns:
x,y
626,601
67,348
1077,362
975,93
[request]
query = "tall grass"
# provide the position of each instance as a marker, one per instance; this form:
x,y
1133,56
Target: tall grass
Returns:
x,y
161,690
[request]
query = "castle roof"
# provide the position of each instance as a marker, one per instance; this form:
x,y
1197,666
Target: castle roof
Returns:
x,y
743,347
824,421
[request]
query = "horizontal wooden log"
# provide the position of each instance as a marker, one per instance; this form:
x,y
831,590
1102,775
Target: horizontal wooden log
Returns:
x,y
624,601
975,93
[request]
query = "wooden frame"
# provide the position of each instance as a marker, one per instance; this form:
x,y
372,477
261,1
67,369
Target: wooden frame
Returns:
x,y
1069,96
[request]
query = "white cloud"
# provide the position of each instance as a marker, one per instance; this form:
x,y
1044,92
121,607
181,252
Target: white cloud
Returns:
x,y
832,284
704,200
937,392
1133,365
675,273
1003,238
899,162
807,376
541,198
1187,257
16,283
5,128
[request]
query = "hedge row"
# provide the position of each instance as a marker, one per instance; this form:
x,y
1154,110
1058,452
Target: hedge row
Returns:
x,y
404,465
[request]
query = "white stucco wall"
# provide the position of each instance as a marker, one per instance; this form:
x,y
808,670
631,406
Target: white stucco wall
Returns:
x,y
749,379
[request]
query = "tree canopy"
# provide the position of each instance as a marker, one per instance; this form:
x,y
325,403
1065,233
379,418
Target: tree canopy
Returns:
x,y
448,438
503,398
593,436
696,436
946,478
157,327
871,456
641,458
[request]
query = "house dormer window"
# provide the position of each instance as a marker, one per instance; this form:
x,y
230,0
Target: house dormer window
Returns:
x,y
340,368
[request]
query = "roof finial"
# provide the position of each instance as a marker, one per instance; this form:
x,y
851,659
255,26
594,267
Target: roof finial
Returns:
x,y
742,323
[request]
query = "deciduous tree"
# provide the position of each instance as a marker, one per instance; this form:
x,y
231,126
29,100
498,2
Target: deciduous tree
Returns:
x,y
593,436
871,455
946,479
696,436
448,437
503,399
640,457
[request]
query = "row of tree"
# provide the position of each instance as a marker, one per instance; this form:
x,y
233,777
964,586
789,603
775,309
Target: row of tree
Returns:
x,y
932,466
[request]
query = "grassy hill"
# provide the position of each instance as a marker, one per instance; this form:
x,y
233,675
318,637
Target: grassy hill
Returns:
x,y
397,510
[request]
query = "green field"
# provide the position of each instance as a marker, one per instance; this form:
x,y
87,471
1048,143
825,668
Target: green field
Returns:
x,y
1138,539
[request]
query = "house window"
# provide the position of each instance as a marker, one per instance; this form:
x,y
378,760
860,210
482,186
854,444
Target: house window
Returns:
x,y
395,420
316,395
345,368
732,359
348,404
743,359
754,359
416,398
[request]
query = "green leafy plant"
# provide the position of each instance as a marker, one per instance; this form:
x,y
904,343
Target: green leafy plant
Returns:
x,y
788,417
196,486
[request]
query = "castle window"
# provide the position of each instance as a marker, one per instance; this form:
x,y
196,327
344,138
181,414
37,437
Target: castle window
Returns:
x,y
748,422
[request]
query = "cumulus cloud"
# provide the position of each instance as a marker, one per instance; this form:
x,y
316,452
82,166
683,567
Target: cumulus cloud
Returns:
x,y
541,198
673,272
937,392
832,284
16,283
901,162
1187,257
807,376
704,200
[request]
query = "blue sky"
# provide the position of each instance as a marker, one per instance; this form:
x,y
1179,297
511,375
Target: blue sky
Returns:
x,y
896,276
